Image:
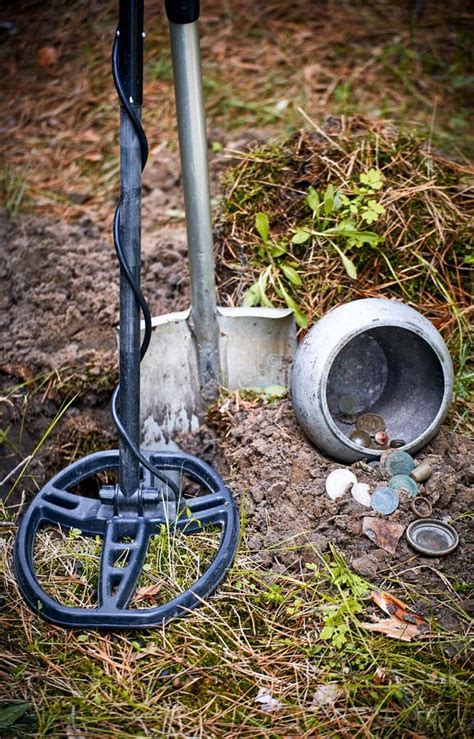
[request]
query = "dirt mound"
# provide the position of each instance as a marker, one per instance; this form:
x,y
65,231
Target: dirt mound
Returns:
x,y
289,516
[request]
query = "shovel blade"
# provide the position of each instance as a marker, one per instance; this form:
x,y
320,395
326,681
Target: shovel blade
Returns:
x,y
256,348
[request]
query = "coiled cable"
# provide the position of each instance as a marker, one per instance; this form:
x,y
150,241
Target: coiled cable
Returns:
x,y
125,268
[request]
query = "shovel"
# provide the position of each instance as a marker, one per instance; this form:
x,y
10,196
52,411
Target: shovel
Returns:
x,y
194,352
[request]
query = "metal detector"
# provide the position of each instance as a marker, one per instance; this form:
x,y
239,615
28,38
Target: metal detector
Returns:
x,y
149,492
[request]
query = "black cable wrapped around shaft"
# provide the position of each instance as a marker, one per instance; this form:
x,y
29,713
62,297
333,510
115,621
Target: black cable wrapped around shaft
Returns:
x,y
126,271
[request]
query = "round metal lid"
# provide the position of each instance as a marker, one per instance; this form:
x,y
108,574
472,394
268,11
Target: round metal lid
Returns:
x,y
432,537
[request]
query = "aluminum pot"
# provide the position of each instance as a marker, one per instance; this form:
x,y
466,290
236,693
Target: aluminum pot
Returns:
x,y
382,357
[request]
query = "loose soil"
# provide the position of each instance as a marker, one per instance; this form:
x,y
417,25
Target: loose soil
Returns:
x,y
60,308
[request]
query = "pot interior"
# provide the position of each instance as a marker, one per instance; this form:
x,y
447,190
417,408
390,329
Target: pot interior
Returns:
x,y
392,372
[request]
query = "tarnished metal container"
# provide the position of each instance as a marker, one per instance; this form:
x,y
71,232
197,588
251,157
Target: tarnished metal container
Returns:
x,y
381,357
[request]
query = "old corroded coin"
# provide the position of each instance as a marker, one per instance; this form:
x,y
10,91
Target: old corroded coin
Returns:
x,y
399,463
362,438
384,500
348,404
370,423
404,482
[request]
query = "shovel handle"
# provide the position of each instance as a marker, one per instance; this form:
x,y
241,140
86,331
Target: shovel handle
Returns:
x,y
185,53
182,11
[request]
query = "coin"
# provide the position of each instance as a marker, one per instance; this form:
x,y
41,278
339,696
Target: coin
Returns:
x,y
371,423
384,500
338,482
399,463
404,482
361,438
348,404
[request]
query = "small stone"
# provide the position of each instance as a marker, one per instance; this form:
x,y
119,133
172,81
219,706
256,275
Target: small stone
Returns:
x,y
348,404
422,473
397,443
360,493
361,438
399,463
371,423
381,438
384,500
404,482
339,482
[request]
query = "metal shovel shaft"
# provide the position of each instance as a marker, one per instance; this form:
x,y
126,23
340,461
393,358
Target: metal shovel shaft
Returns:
x,y
193,149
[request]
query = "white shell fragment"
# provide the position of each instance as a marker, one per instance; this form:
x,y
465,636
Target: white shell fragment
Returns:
x,y
360,493
339,482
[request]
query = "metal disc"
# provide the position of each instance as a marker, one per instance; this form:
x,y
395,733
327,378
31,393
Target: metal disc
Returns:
x,y
404,482
348,404
432,537
399,463
384,500
371,423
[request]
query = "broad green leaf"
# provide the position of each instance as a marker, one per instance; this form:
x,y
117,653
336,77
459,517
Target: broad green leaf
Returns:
x,y
275,391
313,201
300,237
326,632
292,275
329,200
372,211
373,178
359,238
300,318
347,263
252,296
278,250
262,283
11,714
262,225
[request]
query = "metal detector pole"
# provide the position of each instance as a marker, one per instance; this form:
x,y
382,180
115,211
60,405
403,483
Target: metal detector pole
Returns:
x,y
183,15
131,66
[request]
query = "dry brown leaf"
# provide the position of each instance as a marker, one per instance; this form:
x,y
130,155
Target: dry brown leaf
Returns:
x,y
395,629
394,607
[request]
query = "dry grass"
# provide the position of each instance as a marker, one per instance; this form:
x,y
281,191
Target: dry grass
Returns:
x,y
261,62
201,676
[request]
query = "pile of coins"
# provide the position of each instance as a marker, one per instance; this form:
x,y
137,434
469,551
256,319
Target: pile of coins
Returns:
x,y
370,431
397,466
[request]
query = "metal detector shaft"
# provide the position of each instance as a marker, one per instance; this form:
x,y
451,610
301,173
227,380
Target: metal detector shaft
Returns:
x,y
131,63
193,149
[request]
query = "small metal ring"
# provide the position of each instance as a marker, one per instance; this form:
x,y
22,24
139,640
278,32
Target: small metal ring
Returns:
x,y
414,506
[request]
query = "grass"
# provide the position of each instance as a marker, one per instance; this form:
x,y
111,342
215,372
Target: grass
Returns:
x,y
261,63
201,676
